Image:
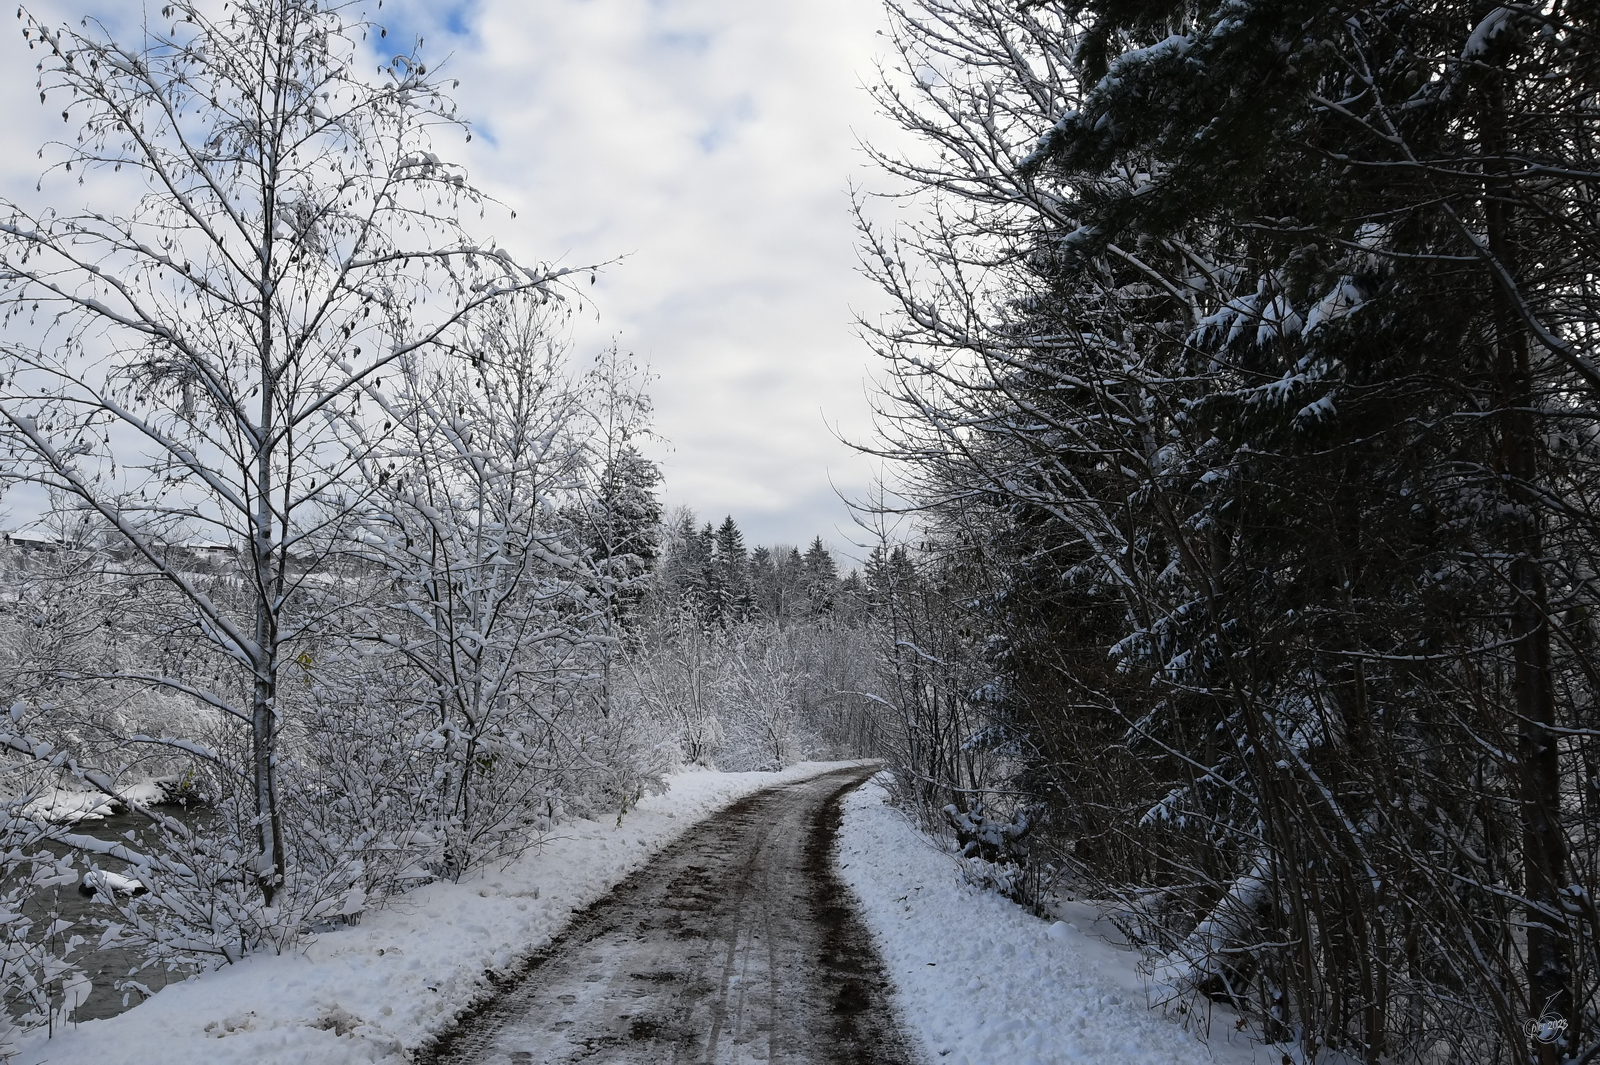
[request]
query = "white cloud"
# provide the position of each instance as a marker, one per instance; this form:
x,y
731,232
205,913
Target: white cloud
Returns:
x,y
710,143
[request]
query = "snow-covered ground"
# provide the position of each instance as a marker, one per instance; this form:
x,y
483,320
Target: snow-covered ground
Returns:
x,y
977,979
369,993
980,981
67,807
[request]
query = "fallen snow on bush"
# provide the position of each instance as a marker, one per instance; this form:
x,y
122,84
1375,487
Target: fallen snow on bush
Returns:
x,y
371,992
62,807
980,981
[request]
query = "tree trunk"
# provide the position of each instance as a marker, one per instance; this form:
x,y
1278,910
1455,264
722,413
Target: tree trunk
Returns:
x,y
270,866
1544,855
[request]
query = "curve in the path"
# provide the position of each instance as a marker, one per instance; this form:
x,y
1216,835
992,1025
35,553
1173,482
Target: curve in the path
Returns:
x,y
737,944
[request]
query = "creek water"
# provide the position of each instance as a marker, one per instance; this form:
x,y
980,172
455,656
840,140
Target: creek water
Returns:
x,y
104,968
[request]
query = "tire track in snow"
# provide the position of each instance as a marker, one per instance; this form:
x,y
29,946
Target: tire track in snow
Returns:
x,y
737,944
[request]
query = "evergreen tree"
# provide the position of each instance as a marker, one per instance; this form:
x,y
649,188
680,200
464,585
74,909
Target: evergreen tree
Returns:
x,y
819,578
766,596
788,595
714,596
1273,388
733,573
623,526
680,575
852,598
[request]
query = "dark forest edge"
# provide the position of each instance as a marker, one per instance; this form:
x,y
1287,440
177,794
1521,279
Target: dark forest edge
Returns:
x,y
1243,390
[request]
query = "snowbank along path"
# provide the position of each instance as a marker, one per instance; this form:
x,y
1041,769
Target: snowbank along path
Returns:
x,y
980,981
736,945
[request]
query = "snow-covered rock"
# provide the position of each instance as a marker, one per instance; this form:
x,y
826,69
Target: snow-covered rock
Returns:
x,y
143,793
62,807
65,806
99,882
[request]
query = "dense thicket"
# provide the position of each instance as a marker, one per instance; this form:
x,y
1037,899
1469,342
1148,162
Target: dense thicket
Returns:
x,y
334,541
753,658
1244,382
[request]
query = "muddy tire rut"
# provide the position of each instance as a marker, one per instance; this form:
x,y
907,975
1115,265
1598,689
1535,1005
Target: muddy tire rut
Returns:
x,y
736,944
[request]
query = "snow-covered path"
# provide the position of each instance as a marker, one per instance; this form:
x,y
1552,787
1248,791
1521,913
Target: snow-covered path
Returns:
x,y
976,979
980,981
375,992
735,945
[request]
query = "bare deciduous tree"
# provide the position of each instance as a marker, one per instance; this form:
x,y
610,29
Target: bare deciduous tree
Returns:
x,y
271,233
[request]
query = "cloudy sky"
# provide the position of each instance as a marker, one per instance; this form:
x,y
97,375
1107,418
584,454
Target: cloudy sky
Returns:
x,y
712,144
709,145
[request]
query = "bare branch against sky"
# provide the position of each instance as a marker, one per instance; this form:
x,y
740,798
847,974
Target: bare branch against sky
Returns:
x,y
712,143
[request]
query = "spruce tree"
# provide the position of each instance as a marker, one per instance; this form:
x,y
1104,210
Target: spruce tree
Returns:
x,y
733,575
820,578
1265,424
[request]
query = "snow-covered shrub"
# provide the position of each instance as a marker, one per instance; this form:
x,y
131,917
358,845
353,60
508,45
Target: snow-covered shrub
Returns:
x,y
726,696
362,785
990,846
677,674
628,755
1003,878
485,616
759,706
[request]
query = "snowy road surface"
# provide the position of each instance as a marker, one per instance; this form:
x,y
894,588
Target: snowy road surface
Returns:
x,y
736,945
373,992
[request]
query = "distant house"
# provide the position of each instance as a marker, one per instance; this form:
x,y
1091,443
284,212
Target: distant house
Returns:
x,y
204,555
28,541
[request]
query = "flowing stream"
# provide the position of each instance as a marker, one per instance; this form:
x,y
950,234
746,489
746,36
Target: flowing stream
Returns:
x,y
88,914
